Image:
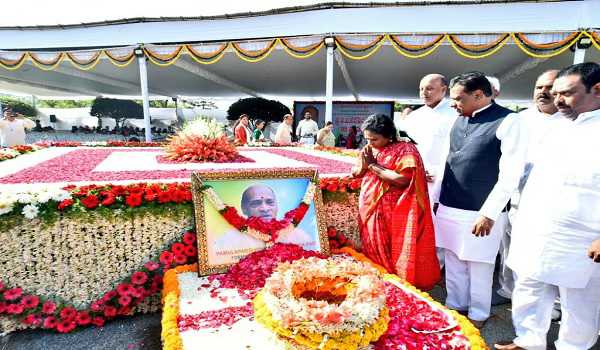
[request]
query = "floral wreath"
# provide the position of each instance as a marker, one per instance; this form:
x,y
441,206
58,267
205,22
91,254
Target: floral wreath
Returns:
x,y
335,303
266,231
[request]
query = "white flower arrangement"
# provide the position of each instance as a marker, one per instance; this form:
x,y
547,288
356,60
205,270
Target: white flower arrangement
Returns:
x,y
30,199
205,127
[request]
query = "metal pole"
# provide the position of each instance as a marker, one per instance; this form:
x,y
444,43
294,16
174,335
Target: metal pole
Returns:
x,y
579,56
145,100
329,42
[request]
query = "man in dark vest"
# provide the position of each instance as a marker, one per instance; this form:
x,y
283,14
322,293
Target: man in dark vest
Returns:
x,y
482,170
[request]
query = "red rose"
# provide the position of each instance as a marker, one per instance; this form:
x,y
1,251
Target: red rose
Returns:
x,y
30,301
97,306
188,238
109,199
166,258
124,289
139,278
134,200
149,196
164,197
65,203
68,313
177,248
90,201
180,259
331,187
300,212
331,232
48,308
124,300
83,318
13,294
50,322
190,251
66,326
15,309
32,320
98,321
355,184
110,311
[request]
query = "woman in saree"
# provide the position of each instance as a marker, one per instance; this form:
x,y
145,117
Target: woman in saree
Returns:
x,y
395,221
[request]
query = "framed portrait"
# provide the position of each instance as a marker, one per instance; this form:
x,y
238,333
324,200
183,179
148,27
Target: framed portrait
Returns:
x,y
242,211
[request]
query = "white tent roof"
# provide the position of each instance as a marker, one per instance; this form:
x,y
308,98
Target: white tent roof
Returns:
x,y
384,75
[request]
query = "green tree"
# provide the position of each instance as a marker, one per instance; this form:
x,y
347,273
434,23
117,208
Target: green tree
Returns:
x,y
19,107
64,103
258,108
116,109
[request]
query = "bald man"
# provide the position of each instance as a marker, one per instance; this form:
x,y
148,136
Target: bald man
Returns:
x,y
430,125
257,201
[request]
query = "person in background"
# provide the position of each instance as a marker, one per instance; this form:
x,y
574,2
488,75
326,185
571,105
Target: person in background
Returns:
x,y
495,82
351,141
283,136
554,248
396,227
12,128
307,130
325,137
258,135
241,131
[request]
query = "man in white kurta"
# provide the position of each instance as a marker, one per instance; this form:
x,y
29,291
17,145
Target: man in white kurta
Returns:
x,y
307,130
558,220
283,136
482,170
12,129
430,125
536,121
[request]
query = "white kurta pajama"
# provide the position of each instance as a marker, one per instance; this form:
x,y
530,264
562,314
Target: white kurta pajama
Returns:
x,y
307,131
466,253
535,126
558,219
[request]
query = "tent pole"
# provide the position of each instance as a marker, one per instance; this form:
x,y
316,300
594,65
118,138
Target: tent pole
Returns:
x,y
329,42
579,56
144,85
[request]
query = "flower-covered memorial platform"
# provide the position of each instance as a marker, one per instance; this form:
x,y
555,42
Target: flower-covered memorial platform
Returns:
x,y
86,231
288,298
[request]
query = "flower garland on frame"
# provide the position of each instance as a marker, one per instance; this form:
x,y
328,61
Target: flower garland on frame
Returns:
x,y
266,231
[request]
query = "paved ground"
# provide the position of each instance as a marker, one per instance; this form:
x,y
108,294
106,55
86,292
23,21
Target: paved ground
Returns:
x,y
143,332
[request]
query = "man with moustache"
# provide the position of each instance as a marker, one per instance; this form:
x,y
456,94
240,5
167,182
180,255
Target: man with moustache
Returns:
x,y
555,243
481,172
536,121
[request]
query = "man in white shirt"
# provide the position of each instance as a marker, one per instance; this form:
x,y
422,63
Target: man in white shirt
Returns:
x,y
283,136
307,130
12,129
430,125
558,224
535,121
481,172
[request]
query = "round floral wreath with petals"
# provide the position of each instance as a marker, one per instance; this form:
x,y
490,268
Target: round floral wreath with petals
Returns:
x,y
267,231
335,303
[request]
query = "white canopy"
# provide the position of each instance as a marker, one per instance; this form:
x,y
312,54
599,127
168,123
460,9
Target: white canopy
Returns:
x,y
382,50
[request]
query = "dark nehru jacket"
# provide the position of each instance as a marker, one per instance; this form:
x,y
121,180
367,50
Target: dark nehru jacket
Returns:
x,y
472,165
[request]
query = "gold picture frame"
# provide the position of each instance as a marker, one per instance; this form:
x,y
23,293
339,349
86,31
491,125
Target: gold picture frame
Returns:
x,y
208,265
